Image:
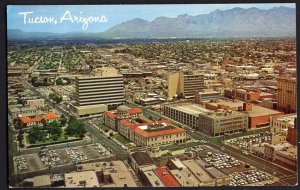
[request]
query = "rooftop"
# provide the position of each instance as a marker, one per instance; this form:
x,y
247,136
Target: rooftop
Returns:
x,y
188,108
142,128
81,179
178,163
215,172
197,170
46,117
166,177
142,158
40,181
118,171
289,118
185,177
153,179
255,112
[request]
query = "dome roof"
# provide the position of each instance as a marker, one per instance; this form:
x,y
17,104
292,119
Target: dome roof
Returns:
x,y
122,108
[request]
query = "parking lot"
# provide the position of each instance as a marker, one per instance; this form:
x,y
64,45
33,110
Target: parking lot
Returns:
x,y
225,163
48,157
244,143
79,154
250,177
28,163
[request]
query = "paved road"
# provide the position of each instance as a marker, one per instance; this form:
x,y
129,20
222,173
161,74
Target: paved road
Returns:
x,y
108,143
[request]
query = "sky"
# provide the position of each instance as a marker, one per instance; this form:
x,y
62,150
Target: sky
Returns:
x,y
19,18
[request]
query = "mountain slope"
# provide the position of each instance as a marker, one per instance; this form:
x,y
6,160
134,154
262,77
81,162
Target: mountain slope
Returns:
x,y
237,22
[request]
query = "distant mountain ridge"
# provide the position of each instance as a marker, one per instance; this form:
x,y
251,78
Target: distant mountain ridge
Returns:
x,y
236,22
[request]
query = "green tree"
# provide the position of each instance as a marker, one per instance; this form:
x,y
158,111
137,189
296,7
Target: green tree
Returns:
x,y
55,98
53,128
63,120
59,82
75,128
36,134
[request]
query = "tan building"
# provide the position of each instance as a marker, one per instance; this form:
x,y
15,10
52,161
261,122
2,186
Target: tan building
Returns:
x,y
257,116
141,160
103,86
200,173
108,174
213,123
286,94
35,103
242,94
90,110
284,154
206,95
280,126
183,84
81,179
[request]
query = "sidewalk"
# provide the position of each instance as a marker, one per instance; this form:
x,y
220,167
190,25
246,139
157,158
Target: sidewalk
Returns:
x,y
106,134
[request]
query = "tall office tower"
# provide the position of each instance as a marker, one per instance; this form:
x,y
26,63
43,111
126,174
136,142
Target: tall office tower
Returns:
x,y
286,94
186,84
103,86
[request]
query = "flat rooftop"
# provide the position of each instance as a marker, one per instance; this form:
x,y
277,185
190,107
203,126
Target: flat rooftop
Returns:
x,y
286,118
289,152
189,108
142,158
118,171
153,179
185,177
215,172
255,112
178,163
197,170
81,179
261,111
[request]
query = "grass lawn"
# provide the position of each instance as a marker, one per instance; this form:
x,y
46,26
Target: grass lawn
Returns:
x,y
104,127
61,138
121,139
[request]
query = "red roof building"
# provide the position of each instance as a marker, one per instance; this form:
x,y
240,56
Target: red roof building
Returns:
x,y
166,177
36,120
147,133
134,111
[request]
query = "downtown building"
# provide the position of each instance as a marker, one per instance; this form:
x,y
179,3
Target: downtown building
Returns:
x,y
213,123
101,91
130,123
186,85
286,94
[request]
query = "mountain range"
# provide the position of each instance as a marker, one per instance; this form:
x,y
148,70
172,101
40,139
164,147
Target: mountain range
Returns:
x,y
236,22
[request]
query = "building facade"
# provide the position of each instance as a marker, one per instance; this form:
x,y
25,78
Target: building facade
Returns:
x,y
206,95
219,122
213,123
130,124
183,84
100,88
280,126
286,94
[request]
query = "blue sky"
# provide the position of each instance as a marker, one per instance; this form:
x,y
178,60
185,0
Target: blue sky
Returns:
x,y
115,14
